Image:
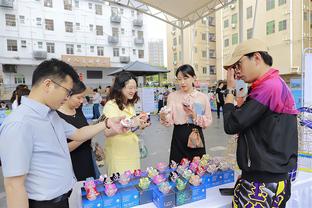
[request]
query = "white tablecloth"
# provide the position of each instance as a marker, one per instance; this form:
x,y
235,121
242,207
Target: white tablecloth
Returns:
x,y
301,196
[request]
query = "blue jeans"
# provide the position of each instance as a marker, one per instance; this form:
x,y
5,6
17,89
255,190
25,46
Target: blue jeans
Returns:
x,y
96,111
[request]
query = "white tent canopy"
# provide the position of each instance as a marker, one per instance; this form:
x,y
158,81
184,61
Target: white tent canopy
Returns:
x,y
179,13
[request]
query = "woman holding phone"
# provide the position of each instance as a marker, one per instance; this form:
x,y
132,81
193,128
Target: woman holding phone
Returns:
x,y
189,111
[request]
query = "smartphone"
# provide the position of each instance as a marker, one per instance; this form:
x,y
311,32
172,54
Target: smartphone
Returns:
x,y
226,191
186,105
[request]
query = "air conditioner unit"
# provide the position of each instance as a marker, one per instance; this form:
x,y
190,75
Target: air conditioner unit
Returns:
x,y
232,6
174,62
40,55
233,26
6,3
295,69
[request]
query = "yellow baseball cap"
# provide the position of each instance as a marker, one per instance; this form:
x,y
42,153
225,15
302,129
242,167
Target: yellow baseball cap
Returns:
x,y
246,47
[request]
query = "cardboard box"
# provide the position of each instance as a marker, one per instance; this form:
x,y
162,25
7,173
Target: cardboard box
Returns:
x,y
217,178
183,197
112,201
129,197
228,176
163,200
97,203
146,195
198,192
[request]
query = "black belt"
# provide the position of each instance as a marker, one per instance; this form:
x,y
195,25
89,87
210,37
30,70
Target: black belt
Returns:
x,y
52,201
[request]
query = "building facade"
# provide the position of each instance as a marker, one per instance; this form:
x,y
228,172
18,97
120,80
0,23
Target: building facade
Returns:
x,y
156,52
95,37
199,49
285,26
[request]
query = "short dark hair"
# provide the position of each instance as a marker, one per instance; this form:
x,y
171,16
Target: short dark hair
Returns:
x,y
78,87
20,93
95,90
53,69
119,84
267,58
186,70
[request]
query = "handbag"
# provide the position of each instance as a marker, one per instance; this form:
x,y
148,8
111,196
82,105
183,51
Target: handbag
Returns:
x,y
194,140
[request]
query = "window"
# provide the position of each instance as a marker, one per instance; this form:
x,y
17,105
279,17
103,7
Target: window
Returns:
x,y
212,37
91,27
115,52
235,39
115,32
204,36
249,33
92,49
226,23
40,45
204,54
78,48
180,55
281,2
48,3
38,21
226,42
68,5
270,4
133,51
234,18
49,25
50,47
19,79
10,20
270,27
77,3
121,10
212,70
132,13
282,25
140,34
133,32
195,50
211,21
22,19
77,26
98,9
90,5
204,21
100,51
99,30
94,74
174,41
305,14
212,53
204,70
123,51
141,53
114,11
69,48
11,45
195,33
123,31
23,43
69,27
249,12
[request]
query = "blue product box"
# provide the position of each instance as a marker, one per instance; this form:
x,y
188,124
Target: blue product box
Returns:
x,y
111,201
99,188
97,203
198,192
207,180
183,197
129,197
228,176
163,200
217,178
146,195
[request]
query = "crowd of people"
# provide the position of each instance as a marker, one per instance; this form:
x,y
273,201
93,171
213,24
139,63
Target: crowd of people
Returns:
x,y
45,143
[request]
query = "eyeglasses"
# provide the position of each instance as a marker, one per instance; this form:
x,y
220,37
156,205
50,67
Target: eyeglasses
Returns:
x,y
69,92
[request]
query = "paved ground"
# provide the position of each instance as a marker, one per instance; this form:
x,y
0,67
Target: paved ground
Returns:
x,y
157,140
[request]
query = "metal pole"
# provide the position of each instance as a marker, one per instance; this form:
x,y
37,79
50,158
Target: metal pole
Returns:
x,y
241,19
182,45
254,20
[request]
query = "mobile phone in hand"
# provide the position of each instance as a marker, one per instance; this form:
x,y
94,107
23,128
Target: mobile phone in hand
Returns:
x,y
226,191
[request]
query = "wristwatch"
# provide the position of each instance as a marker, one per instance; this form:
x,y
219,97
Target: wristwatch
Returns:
x,y
230,91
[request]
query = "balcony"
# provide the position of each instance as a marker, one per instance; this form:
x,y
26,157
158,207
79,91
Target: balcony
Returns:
x,y
40,55
115,19
6,3
113,39
139,41
124,59
138,22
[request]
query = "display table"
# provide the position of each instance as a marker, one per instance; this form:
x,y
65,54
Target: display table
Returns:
x,y
301,195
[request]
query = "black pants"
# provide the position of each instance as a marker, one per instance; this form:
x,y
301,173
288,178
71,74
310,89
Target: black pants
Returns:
x,y
160,105
37,204
219,105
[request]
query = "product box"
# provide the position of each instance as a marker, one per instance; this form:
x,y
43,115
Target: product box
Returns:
x,y
183,197
146,195
217,178
163,200
111,201
129,197
228,176
97,203
198,192
99,188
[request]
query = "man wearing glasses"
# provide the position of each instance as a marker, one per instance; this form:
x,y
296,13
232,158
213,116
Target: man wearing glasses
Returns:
x,y
267,127
35,157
